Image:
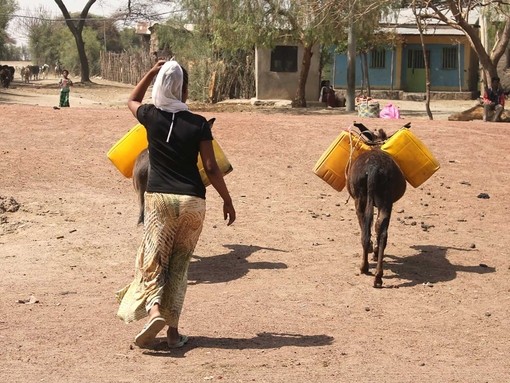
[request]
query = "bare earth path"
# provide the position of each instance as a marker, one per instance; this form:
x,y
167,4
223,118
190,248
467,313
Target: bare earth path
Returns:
x,y
276,297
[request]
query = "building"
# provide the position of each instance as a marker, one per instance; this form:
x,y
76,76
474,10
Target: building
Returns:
x,y
277,72
452,61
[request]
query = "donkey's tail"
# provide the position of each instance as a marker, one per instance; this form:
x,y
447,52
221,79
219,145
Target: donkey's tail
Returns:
x,y
369,207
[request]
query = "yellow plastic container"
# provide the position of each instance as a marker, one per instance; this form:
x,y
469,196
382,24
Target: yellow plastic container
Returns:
x,y
221,159
333,162
124,153
414,158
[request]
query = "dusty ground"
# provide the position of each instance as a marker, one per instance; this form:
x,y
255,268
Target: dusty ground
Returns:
x,y
276,297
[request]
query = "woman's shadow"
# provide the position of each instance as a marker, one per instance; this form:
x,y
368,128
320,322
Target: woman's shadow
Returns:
x,y
429,265
229,266
262,341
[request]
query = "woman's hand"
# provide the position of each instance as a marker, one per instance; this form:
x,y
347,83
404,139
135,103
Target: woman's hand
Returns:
x,y
136,96
229,212
155,69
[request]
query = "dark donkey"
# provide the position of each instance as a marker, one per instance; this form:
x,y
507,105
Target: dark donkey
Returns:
x,y
141,171
374,179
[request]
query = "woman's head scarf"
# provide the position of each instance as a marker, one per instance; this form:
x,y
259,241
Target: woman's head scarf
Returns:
x,y
167,89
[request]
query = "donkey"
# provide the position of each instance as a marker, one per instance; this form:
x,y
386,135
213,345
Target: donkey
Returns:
x,y
141,171
374,179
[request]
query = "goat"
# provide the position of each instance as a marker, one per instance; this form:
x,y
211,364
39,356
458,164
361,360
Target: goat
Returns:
x,y
374,179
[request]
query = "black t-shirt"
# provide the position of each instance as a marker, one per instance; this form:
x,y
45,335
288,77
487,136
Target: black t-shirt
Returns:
x,y
174,163
494,95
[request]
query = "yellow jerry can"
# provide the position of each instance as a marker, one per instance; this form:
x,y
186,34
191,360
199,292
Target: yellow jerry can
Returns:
x,y
331,166
124,153
412,156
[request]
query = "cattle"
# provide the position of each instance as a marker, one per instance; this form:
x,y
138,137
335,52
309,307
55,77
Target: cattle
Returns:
x,y
6,75
58,70
34,72
374,180
141,171
44,70
25,74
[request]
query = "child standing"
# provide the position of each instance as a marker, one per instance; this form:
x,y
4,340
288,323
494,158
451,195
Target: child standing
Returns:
x,y
65,83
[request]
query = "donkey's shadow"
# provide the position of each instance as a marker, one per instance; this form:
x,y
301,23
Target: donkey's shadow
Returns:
x,y
429,265
229,266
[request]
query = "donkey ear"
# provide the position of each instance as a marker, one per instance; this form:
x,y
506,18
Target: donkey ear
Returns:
x,y
211,122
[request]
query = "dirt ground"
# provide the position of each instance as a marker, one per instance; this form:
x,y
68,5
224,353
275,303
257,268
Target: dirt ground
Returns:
x,y
277,297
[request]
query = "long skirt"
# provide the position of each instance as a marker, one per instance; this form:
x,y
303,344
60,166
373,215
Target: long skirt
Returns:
x,y
64,98
172,226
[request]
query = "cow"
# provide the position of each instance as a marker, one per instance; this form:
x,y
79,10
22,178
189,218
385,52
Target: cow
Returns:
x,y
34,72
6,75
375,180
44,70
25,74
58,69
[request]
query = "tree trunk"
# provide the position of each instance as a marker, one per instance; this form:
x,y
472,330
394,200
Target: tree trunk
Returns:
x,y
426,62
77,30
366,79
300,99
351,69
84,62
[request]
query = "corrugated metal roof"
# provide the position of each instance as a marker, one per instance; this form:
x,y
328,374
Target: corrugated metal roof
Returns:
x,y
406,16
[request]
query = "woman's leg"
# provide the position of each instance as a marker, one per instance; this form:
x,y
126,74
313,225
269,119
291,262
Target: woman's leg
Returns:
x,y
190,223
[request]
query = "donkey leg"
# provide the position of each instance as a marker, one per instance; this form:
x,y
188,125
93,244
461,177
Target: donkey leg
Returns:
x,y
361,204
382,225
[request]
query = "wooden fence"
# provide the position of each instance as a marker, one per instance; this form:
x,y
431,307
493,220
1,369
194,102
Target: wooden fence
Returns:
x,y
212,81
127,68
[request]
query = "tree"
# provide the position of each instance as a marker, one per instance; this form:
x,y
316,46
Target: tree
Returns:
x,y
456,13
421,27
43,36
363,34
76,28
243,24
7,7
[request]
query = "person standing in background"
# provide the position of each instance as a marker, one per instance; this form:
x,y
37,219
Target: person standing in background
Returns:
x,y
65,87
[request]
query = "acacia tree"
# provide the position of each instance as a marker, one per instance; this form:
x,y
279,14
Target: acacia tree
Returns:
x,y
7,7
421,27
76,28
242,24
456,14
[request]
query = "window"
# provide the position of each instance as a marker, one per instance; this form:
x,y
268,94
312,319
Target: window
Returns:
x,y
377,58
450,58
415,59
284,59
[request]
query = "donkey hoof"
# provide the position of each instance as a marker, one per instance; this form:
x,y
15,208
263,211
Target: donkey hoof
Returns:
x,y
378,283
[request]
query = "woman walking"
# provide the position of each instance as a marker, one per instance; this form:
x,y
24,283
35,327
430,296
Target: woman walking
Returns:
x,y
174,203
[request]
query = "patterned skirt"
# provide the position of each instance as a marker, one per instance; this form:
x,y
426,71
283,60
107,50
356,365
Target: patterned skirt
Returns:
x,y
64,98
172,226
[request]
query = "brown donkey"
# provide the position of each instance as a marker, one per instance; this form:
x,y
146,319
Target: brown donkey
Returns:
x,y
374,179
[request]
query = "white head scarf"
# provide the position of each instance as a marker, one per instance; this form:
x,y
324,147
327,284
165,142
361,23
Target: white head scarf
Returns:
x,y
167,89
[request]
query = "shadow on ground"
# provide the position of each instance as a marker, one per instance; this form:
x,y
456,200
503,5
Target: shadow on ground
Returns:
x,y
429,265
261,341
229,266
